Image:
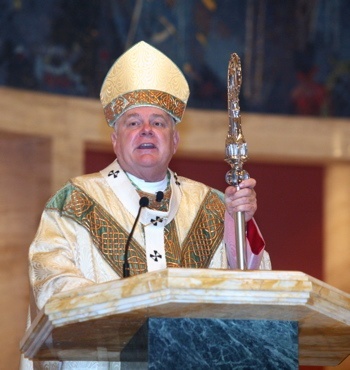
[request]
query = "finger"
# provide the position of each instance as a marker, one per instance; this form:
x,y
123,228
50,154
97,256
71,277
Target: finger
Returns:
x,y
230,191
248,183
245,194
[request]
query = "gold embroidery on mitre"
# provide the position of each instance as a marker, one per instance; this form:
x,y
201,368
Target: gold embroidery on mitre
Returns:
x,y
172,105
205,235
144,76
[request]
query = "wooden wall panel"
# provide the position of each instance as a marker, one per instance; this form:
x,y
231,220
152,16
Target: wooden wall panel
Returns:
x,y
24,188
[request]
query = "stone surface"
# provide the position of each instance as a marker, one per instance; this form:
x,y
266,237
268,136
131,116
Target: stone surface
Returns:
x,y
98,321
163,343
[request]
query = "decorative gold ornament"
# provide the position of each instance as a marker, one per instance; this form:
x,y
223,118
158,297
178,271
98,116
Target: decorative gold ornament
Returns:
x,y
143,76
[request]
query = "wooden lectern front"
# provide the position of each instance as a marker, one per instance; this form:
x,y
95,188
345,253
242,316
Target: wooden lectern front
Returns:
x,y
103,322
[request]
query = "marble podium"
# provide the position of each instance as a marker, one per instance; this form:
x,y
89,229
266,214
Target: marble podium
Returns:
x,y
128,319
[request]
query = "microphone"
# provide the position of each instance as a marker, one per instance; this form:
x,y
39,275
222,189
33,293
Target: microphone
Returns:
x,y
159,196
144,201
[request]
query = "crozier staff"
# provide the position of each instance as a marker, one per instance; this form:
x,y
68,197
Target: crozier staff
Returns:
x,y
84,227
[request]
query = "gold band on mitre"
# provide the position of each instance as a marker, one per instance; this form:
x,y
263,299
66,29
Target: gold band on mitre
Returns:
x,y
143,76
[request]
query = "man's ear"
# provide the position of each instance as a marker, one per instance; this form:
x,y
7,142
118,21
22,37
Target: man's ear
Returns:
x,y
114,137
176,139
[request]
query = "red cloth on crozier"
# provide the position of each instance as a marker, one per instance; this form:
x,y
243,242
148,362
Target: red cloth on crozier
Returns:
x,y
257,243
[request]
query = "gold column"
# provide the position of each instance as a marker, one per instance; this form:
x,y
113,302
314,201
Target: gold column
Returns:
x,y
337,226
337,231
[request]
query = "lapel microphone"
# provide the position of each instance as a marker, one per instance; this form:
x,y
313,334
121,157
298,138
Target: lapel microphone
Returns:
x,y
144,201
159,196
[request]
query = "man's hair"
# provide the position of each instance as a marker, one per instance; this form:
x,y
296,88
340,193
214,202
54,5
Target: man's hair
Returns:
x,y
115,126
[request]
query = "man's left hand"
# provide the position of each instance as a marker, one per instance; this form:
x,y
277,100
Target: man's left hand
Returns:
x,y
242,200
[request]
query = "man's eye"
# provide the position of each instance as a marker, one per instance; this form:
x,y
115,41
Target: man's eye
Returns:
x,y
158,124
132,123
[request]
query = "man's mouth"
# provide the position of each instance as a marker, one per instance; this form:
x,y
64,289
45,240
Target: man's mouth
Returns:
x,y
146,146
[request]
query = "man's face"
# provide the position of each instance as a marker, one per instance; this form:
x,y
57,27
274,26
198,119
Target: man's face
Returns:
x,y
144,141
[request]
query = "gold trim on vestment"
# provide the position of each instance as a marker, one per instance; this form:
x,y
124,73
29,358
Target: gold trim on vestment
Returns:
x,y
206,233
200,245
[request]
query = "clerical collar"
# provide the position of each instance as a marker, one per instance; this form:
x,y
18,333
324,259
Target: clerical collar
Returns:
x,y
149,187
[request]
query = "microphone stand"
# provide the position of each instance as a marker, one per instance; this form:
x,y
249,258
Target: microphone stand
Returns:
x,y
144,201
236,152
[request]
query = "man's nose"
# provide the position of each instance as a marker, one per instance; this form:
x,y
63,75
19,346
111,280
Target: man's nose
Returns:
x,y
146,129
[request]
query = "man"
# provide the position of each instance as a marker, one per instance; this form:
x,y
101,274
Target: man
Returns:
x,y
85,226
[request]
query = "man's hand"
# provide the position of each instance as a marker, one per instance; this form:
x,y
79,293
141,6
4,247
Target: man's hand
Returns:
x,y
242,200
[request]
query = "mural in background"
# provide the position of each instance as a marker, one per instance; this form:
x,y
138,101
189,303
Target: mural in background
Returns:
x,y
295,53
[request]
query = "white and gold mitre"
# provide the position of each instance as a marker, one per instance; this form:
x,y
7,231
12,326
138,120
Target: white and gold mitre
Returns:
x,y
143,76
